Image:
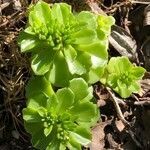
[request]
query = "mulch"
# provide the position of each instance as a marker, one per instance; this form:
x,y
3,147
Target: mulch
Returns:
x,y
124,123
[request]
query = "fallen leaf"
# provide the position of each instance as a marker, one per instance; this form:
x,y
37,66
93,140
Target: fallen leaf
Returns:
x,y
120,126
98,135
123,42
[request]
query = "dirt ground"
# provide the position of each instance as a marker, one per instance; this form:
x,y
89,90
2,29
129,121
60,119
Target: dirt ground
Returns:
x,y
125,123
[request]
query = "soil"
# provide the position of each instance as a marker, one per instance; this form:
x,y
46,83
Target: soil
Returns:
x,y
124,123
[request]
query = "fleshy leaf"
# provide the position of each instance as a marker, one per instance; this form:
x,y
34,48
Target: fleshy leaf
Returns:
x,y
27,42
39,100
62,13
86,112
118,65
105,23
97,49
54,145
123,89
65,98
41,11
87,18
138,72
73,145
76,64
135,87
48,130
30,115
80,89
41,62
81,135
38,85
84,36
57,76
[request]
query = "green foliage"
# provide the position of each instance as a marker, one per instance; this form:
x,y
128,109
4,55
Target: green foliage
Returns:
x,y
65,46
59,120
58,40
122,76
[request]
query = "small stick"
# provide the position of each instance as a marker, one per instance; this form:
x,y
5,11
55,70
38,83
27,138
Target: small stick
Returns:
x,y
94,7
115,102
142,103
121,117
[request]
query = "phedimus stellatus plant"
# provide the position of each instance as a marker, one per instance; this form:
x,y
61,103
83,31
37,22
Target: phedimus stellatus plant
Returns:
x,y
122,76
65,45
59,120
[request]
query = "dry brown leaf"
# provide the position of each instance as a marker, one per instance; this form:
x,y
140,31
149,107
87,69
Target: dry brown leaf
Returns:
x,y
123,42
98,138
120,126
98,135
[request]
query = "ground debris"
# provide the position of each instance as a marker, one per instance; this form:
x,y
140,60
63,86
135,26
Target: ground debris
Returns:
x,y
124,123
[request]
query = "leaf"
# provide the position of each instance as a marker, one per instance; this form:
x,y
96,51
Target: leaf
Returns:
x,y
97,69
75,61
135,87
95,74
104,24
62,147
80,89
54,145
123,89
29,30
73,145
112,80
59,77
48,130
52,102
42,61
62,13
40,142
42,12
86,112
98,49
87,18
31,115
70,56
118,65
81,135
38,137
65,98
123,42
38,100
41,97
27,42
137,72
36,129
38,85
84,36
41,111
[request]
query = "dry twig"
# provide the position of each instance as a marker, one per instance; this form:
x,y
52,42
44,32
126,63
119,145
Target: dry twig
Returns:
x,y
146,102
119,113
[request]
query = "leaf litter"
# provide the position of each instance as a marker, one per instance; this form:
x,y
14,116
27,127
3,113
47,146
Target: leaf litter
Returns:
x,y
124,122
